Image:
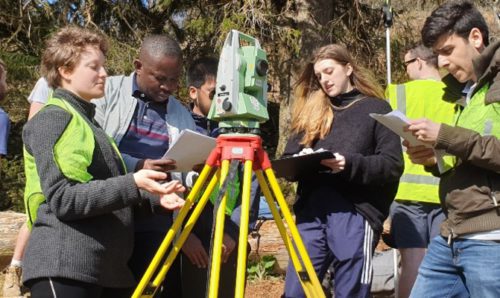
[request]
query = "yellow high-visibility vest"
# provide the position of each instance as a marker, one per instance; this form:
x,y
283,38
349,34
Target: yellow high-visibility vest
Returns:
x,y
420,99
73,153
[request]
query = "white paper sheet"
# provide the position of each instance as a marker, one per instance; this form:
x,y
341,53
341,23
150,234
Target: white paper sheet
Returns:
x,y
396,121
191,148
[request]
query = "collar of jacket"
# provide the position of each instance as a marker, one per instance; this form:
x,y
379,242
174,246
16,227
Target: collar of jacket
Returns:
x,y
487,67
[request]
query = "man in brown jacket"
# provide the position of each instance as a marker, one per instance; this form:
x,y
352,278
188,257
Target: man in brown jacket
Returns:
x,y
463,261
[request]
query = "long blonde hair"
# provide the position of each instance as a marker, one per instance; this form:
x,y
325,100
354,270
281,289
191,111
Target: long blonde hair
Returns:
x,y
312,113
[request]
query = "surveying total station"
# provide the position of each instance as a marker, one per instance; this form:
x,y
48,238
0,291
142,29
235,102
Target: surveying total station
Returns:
x,y
239,106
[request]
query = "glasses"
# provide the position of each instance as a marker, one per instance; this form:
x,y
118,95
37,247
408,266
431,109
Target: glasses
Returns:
x,y
211,94
406,63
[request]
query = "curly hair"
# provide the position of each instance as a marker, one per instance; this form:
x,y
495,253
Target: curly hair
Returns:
x,y
64,49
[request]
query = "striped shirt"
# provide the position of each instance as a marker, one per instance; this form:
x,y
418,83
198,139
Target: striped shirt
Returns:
x,y
147,135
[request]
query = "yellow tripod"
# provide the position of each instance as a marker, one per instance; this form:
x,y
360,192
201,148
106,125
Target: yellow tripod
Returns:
x,y
247,149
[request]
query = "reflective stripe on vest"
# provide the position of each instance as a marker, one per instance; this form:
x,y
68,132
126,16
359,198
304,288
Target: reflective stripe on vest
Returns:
x,y
479,117
417,99
420,179
401,98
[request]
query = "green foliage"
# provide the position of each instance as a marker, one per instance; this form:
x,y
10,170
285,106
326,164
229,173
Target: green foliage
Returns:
x,y
202,28
12,185
233,21
262,268
291,37
22,72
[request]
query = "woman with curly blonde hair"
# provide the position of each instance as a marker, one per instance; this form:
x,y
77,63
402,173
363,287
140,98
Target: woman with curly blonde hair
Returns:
x,y
78,194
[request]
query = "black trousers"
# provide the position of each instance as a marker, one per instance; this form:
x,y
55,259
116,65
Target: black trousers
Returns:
x,y
63,287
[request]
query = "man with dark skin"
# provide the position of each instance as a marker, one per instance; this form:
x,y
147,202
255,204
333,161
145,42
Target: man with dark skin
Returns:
x,y
142,115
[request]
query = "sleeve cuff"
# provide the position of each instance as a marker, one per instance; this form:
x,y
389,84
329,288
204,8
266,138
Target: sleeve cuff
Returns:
x,y
445,137
130,162
131,191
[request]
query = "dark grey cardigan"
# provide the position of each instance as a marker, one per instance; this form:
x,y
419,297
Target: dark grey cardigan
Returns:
x,y
84,231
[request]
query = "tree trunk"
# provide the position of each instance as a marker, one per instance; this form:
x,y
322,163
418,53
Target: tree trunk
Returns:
x,y
311,18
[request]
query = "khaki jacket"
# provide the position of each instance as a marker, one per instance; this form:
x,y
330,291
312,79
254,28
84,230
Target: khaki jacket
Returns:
x,y
472,187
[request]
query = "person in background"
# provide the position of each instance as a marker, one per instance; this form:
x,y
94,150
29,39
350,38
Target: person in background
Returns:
x,y
4,118
416,213
340,211
13,287
201,82
78,194
461,261
38,96
12,281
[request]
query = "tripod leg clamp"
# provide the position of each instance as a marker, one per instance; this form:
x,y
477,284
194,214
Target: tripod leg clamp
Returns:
x,y
304,276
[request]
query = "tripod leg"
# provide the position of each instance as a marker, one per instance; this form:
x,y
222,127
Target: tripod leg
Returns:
x,y
213,287
309,279
243,237
282,229
179,242
171,233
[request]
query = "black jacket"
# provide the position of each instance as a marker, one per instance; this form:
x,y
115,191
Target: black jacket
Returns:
x,y
374,161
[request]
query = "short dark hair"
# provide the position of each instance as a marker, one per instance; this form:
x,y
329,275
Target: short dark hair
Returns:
x,y
457,17
159,46
200,70
424,53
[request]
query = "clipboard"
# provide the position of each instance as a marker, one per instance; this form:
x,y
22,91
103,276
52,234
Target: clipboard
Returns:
x,y
190,149
293,167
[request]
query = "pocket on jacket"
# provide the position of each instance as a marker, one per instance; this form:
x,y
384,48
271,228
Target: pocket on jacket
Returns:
x,y
470,202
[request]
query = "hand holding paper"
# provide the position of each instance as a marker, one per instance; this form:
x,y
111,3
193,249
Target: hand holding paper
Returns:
x,y
295,166
398,123
420,154
420,136
425,130
161,165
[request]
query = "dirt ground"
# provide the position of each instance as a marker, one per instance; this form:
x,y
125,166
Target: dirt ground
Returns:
x,y
268,288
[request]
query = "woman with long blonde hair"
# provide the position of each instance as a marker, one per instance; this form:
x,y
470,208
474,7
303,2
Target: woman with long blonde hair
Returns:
x,y
340,210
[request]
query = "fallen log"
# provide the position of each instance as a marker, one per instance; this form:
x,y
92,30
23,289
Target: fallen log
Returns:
x,y
10,223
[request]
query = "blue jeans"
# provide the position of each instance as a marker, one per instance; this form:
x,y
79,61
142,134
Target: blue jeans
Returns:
x,y
466,268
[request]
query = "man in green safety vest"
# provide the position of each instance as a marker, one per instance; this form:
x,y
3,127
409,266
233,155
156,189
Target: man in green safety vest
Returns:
x,y
416,213
463,260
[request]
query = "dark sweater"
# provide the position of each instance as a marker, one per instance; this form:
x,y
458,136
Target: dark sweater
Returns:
x,y
84,231
374,162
